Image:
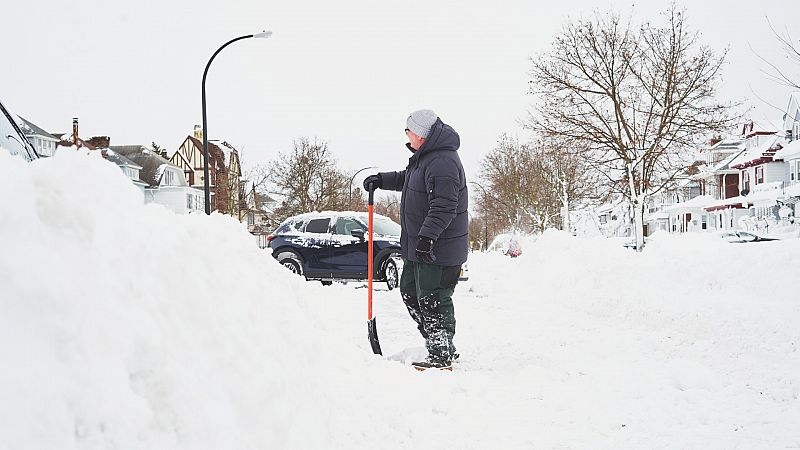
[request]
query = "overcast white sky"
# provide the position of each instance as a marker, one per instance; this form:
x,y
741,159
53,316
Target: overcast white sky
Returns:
x,y
348,72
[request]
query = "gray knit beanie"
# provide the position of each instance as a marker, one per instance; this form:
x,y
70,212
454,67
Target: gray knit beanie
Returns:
x,y
420,122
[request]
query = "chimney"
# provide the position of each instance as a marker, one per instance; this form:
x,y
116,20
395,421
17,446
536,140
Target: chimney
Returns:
x,y
198,132
75,131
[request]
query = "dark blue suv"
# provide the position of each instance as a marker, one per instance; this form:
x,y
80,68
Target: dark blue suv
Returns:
x,y
328,246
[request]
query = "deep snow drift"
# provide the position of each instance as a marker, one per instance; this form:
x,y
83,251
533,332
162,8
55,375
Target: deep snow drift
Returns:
x,y
125,326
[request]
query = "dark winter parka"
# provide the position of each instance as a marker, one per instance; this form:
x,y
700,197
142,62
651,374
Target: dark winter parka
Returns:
x,y
434,198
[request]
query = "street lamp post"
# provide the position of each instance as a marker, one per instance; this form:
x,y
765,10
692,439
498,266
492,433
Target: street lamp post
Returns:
x,y
206,181
350,186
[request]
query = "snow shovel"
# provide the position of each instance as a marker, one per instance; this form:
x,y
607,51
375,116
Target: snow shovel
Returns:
x,y
372,330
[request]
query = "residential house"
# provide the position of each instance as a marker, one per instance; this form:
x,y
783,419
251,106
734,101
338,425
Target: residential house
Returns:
x,y
790,154
790,195
165,182
258,212
761,178
614,219
750,182
42,141
128,167
712,179
224,170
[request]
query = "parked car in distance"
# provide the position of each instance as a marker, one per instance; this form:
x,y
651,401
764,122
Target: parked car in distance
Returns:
x,y
507,244
12,139
332,245
738,236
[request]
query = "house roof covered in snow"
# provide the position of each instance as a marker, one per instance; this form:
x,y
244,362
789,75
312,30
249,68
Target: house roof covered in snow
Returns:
x,y
118,159
152,165
758,199
701,201
792,114
723,166
213,149
764,152
789,151
31,129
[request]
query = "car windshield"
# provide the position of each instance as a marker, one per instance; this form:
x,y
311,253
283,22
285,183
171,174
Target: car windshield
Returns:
x,y
383,225
11,139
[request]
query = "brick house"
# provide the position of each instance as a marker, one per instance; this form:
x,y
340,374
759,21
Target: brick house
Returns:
x,y
224,168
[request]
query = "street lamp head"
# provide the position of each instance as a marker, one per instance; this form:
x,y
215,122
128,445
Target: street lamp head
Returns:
x,y
263,34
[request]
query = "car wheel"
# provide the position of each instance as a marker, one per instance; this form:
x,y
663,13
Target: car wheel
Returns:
x,y
391,274
291,262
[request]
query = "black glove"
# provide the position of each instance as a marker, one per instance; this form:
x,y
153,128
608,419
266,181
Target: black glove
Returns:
x,y
375,180
425,250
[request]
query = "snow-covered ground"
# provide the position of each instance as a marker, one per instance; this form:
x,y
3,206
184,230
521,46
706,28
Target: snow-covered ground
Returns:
x,y
125,326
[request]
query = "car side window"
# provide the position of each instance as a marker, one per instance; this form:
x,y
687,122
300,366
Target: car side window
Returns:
x,y
318,225
346,226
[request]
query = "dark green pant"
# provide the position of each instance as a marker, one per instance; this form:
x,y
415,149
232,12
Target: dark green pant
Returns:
x,y
427,291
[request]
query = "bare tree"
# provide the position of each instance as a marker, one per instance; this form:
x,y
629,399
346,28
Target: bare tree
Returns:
x,y
478,230
565,173
308,180
791,48
512,193
389,207
254,189
635,99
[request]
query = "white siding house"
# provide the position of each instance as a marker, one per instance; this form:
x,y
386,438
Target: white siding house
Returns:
x,y
43,142
166,184
129,168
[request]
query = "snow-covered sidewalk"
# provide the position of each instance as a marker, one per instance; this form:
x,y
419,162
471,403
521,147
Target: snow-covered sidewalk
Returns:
x,y
125,326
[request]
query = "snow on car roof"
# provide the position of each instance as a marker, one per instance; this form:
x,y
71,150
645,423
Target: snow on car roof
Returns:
x,y
310,215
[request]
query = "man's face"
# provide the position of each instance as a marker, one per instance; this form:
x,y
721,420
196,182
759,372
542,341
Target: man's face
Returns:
x,y
415,141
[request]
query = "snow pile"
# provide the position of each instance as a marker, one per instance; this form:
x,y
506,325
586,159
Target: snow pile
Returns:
x,y
125,326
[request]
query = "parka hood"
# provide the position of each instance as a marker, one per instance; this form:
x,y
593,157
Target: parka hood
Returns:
x,y
441,137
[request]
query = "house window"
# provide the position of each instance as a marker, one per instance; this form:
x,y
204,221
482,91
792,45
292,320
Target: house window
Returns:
x,y
169,178
797,172
792,166
796,131
251,219
745,180
704,226
189,201
759,174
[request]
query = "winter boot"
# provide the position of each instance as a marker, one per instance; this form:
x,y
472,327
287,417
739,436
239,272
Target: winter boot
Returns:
x,y
432,363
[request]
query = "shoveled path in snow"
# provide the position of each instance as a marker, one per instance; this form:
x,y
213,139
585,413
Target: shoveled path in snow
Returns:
x,y
561,349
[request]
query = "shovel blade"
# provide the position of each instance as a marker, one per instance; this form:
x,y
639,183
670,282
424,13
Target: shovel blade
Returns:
x,y
372,332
